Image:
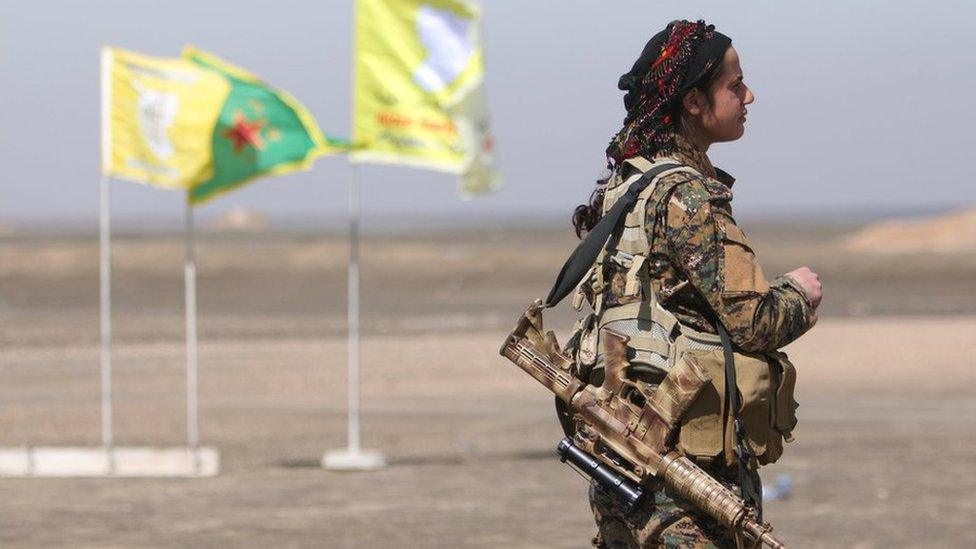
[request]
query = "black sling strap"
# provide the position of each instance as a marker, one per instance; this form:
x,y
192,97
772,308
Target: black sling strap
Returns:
x,y
584,256
750,493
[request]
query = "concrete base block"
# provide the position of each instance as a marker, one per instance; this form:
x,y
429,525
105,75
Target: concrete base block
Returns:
x,y
353,460
115,462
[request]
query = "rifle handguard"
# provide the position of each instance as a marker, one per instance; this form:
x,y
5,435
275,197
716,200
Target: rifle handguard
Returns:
x,y
683,476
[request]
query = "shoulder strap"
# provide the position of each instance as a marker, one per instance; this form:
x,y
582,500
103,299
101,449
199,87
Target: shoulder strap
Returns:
x,y
585,254
750,493
637,216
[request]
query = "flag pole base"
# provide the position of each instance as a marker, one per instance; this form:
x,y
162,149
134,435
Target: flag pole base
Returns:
x,y
118,462
353,460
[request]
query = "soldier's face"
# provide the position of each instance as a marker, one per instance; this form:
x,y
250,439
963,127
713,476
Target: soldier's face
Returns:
x,y
722,115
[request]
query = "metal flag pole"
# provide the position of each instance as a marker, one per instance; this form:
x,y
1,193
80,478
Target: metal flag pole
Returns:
x,y
190,282
105,280
353,458
352,313
105,262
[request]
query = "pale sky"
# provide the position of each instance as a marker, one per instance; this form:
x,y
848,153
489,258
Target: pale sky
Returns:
x,y
861,105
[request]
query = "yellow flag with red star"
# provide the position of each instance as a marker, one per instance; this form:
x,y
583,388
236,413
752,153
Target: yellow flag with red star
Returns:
x,y
200,124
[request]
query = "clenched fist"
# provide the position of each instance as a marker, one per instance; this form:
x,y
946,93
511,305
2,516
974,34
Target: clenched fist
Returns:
x,y
810,282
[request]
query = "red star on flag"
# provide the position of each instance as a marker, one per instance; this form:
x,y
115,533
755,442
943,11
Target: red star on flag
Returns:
x,y
245,132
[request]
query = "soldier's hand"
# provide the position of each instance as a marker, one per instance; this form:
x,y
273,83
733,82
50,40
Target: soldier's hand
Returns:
x,y
810,282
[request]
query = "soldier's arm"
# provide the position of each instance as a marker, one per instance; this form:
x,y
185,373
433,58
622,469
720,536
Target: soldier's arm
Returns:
x,y
715,255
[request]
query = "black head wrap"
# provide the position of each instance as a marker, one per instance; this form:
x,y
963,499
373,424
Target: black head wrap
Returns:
x,y
674,61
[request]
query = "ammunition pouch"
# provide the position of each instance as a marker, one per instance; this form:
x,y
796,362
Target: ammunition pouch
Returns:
x,y
767,408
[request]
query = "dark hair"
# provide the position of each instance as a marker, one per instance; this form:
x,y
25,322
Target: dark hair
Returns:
x,y
586,216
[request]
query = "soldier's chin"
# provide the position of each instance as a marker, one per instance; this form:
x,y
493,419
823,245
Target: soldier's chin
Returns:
x,y
738,130
733,133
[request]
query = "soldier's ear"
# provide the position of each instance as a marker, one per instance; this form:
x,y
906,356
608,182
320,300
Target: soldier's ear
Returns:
x,y
694,102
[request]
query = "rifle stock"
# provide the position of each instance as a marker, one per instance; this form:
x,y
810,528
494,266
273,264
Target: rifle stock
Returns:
x,y
626,426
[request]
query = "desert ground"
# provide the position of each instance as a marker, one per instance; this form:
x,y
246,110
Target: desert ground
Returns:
x,y
884,458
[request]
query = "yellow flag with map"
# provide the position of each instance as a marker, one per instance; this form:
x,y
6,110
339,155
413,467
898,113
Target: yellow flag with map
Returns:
x,y
158,118
418,95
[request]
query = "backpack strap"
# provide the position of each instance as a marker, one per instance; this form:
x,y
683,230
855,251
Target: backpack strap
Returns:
x,y
602,236
634,236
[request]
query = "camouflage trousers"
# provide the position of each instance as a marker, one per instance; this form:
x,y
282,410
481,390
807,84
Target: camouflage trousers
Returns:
x,y
662,520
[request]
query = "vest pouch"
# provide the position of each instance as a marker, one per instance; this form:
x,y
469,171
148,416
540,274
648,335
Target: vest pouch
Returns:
x,y
702,426
753,376
784,404
782,418
620,273
706,431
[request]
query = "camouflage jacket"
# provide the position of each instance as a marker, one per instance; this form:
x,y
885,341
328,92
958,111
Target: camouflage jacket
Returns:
x,y
700,261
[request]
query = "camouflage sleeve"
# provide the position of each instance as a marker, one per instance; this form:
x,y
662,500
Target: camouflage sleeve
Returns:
x,y
713,252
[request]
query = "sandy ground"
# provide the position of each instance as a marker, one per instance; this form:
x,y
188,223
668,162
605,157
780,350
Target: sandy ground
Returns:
x,y
884,457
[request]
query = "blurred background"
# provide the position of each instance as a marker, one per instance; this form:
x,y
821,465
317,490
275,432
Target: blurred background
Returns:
x,y
853,162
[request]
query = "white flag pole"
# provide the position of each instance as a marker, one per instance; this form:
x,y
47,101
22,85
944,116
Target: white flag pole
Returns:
x,y
105,258
190,283
352,312
353,458
105,276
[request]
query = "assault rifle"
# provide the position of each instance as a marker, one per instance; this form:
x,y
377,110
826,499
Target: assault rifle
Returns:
x,y
626,429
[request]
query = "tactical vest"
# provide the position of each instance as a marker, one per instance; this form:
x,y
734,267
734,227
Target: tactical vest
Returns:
x,y
658,341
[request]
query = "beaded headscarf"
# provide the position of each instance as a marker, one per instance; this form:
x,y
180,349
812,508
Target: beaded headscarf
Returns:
x,y
674,61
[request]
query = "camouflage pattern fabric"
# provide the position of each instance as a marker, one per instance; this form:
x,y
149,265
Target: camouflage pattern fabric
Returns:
x,y
664,520
700,260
